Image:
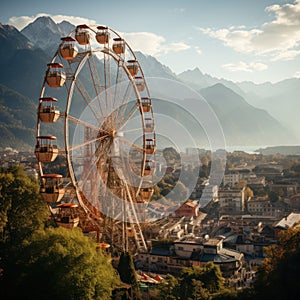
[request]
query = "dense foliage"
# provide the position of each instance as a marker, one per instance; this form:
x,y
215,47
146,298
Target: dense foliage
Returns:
x,y
278,277
193,283
39,263
128,275
63,264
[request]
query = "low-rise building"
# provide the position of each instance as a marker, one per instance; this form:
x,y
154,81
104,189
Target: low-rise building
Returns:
x,y
232,200
191,253
260,206
293,219
187,209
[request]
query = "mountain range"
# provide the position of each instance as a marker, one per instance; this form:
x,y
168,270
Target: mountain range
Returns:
x,y
250,114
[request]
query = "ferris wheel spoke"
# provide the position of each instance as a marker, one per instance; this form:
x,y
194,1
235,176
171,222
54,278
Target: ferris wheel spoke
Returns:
x,y
125,100
86,143
132,130
87,98
79,121
126,117
141,149
98,87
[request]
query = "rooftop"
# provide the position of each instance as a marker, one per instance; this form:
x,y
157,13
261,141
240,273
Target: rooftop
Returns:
x,y
288,221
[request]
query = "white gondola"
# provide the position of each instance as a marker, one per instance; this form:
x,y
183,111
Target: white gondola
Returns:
x,y
51,188
55,77
45,149
102,35
67,216
119,46
82,35
47,111
68,49
146,104
133,67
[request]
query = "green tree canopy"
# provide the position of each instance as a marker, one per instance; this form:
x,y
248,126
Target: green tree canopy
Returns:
x,y
127,273
22,211
278,277
199,282
63,264
167,288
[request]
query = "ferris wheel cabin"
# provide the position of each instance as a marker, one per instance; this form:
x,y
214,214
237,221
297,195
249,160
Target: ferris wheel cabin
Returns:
x,y
118,46
133,67
146,104
102,35
82,35
146,191
51,188
67,216
150,146
68,49
149,125
45,149
140,83
55,77
47,112
149,167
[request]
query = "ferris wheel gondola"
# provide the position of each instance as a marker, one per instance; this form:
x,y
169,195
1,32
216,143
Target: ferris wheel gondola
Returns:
x,y
95,93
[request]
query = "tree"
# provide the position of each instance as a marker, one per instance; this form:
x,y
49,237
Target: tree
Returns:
x,y
278,277
207,280
22,210
127,273
58,263
212,277
167,288
171,155
198,291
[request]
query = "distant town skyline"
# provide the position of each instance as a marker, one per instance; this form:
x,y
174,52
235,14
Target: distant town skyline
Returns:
x,y
238,40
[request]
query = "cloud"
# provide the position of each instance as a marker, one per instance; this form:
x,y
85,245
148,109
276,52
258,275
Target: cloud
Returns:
x,y
23,21
286,55
245,67
272,38
179,9
198,50
297,74
146,42
152,44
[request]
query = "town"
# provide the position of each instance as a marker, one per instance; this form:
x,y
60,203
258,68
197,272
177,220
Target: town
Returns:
x,y
259,197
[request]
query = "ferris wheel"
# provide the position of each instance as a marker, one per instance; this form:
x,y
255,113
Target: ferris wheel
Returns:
x,y
95,117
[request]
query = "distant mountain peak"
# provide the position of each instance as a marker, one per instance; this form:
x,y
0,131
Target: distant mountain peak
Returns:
x,y
152,67
45,33
11,40
189,72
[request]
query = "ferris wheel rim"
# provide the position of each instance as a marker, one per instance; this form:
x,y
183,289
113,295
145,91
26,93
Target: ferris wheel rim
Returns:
x,y
58,62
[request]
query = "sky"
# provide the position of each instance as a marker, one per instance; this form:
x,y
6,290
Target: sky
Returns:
x,y
238,40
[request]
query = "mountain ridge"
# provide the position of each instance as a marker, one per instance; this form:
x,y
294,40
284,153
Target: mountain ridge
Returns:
x,y
30,63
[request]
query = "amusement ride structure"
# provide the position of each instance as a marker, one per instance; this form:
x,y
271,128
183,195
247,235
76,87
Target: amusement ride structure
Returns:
x,y
95,138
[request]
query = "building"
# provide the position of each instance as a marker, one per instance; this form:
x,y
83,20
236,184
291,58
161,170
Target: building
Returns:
x,y
260,206
293,219
232,200
270,171
284,189
187,209
190,253
232,178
